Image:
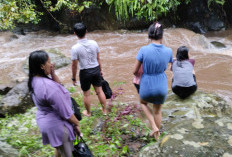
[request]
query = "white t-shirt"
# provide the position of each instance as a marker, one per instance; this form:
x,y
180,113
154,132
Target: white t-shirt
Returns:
x,y
85,51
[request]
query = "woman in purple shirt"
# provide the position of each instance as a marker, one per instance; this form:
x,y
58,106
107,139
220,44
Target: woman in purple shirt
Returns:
x,y
54,116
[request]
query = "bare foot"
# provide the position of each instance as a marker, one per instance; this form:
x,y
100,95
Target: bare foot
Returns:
x,y
85,113
155,134
104,112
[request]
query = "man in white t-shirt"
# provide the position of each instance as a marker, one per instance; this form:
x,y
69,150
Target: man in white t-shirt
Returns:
x,y
86,53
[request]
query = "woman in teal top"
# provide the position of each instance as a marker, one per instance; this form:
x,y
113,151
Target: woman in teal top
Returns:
x,y
153,86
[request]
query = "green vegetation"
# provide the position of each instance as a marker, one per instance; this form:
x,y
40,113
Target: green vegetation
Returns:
x,y
17,11
27,11
111,135
22,133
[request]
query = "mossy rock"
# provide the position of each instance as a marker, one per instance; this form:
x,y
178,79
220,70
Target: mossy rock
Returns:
x,y
56,57
218,44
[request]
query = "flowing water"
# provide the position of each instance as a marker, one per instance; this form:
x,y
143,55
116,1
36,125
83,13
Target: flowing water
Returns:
x,y
118,51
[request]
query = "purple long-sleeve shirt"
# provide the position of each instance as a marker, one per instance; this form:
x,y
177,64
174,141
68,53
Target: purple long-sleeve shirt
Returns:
x,y
54,109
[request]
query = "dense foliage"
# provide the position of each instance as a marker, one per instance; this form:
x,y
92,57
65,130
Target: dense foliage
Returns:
x,y
25,11
17,11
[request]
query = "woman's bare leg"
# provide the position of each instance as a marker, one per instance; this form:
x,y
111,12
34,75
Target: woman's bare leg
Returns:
x,y
57,154
149,116
157,115
157,118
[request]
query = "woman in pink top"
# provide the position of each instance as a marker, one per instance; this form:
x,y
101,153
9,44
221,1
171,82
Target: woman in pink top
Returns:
x,y
54,115
137,78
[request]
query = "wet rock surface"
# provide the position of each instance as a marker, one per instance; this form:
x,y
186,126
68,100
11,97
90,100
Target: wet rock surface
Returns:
x,y
56,57
201,17
198,126
17,100
5,88
218,44
7,150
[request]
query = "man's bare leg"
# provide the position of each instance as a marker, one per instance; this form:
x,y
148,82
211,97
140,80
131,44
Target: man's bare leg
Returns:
x,y
101,98
87,103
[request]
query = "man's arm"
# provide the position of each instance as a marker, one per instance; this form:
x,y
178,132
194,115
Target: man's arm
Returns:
x,y
99,62
74,71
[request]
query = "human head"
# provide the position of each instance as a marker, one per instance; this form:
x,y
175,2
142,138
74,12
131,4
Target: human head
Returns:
x,y
155,31
37,61
182,53
80,29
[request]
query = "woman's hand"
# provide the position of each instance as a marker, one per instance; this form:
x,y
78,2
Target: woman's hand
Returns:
x,y
77,130
53,68
73,120
53,74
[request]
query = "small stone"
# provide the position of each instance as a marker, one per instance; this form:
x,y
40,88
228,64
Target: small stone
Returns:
x,y
204,143
219,123
230,140
197,124
192,143
183,130
227,155
177,136
229,126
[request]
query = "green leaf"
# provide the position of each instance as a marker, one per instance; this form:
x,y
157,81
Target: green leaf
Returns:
x,y
125,150
117,143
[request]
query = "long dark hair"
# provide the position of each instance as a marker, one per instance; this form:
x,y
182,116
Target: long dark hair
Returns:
x,y
36,59
182,54
155,31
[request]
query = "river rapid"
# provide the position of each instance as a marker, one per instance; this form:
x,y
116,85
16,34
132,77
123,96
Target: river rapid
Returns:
x,y
118,49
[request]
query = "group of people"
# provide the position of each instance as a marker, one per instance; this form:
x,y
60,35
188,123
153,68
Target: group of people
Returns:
x,y
150,79
55,118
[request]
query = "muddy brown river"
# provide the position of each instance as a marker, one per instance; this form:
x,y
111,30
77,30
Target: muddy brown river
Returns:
x,y
118,51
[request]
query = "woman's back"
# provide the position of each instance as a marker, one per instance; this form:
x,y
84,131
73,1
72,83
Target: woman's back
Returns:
x,y
54,108
183,73
155,58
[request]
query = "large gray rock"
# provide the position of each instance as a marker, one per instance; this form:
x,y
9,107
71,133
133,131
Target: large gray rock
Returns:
x,y
7,150
199,126
17,100
5,88
200,17
56,57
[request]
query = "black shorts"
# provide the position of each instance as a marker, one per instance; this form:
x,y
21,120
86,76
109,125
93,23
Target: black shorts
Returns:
x,y
184,92
90,76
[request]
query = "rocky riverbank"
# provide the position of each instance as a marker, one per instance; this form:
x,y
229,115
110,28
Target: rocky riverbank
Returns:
x,y
198,126
201,125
